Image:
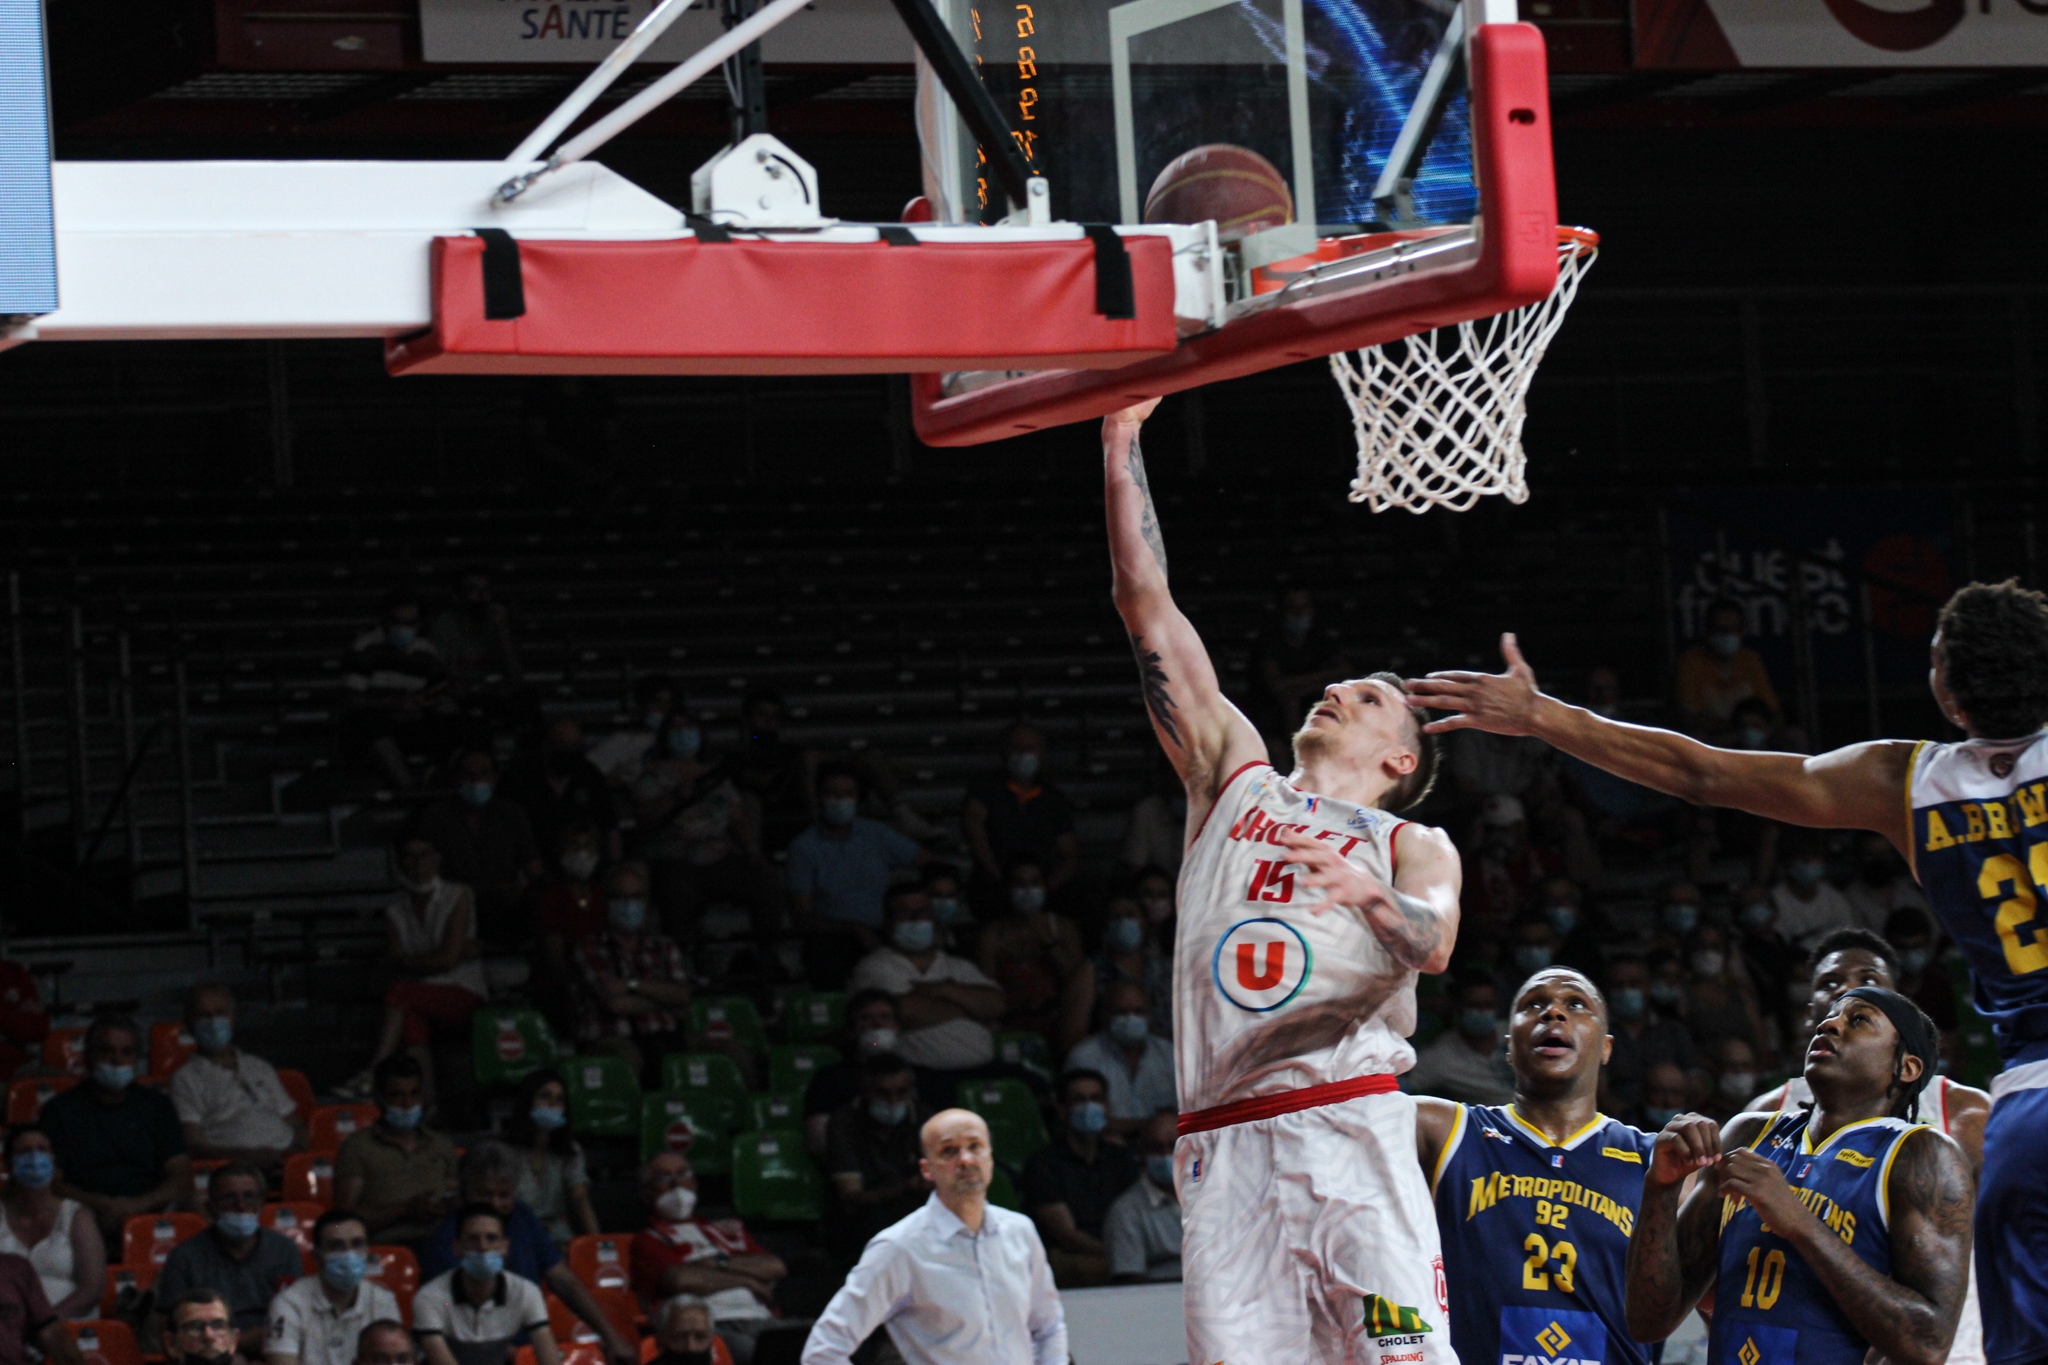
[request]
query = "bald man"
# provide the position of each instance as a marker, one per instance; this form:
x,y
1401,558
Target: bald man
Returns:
x,y
957,1280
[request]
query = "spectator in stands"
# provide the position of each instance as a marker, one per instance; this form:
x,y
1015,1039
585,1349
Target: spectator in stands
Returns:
x,y
231,1103
620,754
1667,1093
1035,955
328,1317
117,1144
1582,934
247,1262
474,636
397,1173
475,1313
69,1257
958,930
396,682
842,863
487,844
559,787
1720,671
1808,905
1467,1062
871,1030
1534,947
872,1153
1643,1040
24,1023
632,985
1776,966
1735,1079
720,1262
552,1179
1136,1063
682,1329
1883,885
1014,815
384,1342
1070,1183
1615,804
1503,868
489,1175
1130,953
1156,833
27,1322
773,772
1720,1001
1921,978
430,938
566,906
1142,1230
1292,661
697,830
1483,764
197,1327
945,1003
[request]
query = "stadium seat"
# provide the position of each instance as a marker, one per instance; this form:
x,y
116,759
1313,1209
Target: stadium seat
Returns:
x,y
300,1089
1027,1050
309,1178
604,1096
650,1347
202,1176
585,1353
333,1124
728,1019
619,1305
776,1111
1015,1126
64,1049
711,1083
295,1220
124,1290
791,1066
668,1123
398,1270
507,1044
147,1238
773,1178
103,1341
169,1045
603,1260
815,1017
27,1096
1002,1191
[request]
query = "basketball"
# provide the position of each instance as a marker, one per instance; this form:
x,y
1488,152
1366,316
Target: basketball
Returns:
x,y
1236,186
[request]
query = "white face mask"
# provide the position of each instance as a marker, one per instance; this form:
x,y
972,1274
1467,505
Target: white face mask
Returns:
x,y
677,1205
877,1040
580,864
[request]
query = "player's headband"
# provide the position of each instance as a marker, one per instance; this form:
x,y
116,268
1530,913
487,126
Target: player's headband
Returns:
x,y
1914,1035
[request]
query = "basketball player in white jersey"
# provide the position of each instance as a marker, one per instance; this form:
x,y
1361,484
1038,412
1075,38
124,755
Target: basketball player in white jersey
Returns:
x,y
1306,909
1843,960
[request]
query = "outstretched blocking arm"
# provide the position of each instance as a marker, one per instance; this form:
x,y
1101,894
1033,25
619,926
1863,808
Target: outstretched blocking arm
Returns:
x,y
1858,787
1205,736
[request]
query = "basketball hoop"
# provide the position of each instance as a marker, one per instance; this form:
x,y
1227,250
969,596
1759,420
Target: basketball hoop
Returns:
x,y
1439,415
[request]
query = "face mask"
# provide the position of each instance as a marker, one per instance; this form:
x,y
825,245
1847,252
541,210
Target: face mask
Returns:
x,y
547,1118
237,1227
1666,993
877,1040
1296,623
686,1357
1681,916
1159,1165
653,719
1124,935
425,888
1027,898
1532,957
404,1120
1752,737
34,1170
476,793
579,865
344,1270
945,909
888,1113
483,1265
1563,919
1724,644
1738,1085
914,935
113,1077
1478,1023
1627,1003
1708,964
214,1032
1807,871
684,742
1913,961
1658,1116
1088,1118
1023,767
1130,1029
401,637
838,810
1757,914
677,1204
1157,908
628,914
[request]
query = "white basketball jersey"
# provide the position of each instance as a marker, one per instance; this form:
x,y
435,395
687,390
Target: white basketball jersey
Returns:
x,y
1272,992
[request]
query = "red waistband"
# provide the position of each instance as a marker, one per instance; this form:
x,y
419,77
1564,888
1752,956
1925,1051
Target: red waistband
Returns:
x,y
1286,1102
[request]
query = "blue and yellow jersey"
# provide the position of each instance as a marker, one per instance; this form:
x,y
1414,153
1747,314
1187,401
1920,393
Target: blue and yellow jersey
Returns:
x,y
1769,1307
1535,1239
1980,848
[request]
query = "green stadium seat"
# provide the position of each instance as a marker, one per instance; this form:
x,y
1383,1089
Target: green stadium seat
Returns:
x,y
773,1178
728,1018
1002,1191
506,1044
1015,1126
1027,1050
818,1017
776,1111
791,1066
710,1081
604,1096
667,1124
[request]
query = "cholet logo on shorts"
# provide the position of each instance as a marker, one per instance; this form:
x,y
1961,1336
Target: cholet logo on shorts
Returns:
x,y
1261,964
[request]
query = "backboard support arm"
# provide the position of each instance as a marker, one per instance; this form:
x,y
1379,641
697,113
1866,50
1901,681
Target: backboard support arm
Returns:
x,y
1392,197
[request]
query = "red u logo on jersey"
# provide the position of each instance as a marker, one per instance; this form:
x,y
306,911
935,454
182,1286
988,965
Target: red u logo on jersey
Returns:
x,y
1262,964
1253,979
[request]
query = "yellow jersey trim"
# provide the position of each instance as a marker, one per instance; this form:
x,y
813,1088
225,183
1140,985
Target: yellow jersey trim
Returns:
x,y
1599,1122
1806,1147
1450,1145
1912,836
1884,1178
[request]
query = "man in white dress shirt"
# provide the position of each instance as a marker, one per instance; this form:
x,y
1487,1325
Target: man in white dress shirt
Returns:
x,y
958,1281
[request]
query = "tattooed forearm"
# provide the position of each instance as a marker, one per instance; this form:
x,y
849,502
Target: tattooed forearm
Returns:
x,y
1410,929
1152,676
1655,1302
1148,526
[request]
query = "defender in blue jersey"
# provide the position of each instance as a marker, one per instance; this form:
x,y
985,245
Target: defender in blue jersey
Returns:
x,y
1829,1235
1971,818
1535,1200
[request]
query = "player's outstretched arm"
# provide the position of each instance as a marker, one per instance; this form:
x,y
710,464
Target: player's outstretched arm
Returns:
x,y
1415,919
1671,1252
1205,736
1909,1316
1858,787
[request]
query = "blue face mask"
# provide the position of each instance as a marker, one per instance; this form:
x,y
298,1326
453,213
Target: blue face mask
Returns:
x,y
401,637
404,1120
34,1170
1912,961
214,1032
237,1227
1124,935
888,1113
1658,1117
1159,1166
1757,914
627,914
914,935
1681,916
838,810
476,793
1563,919
1532,957
547,1118
344,1270
684,742
1627,1003
113,1077
1807,872
945,909
1088,1118
1129,1029
1478,1023
483,1265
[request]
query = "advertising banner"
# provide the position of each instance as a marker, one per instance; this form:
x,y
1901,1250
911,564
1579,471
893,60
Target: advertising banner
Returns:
x,y
836,32
1823,33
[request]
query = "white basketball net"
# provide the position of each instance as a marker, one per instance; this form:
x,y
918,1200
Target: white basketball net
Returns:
x,y
1439,416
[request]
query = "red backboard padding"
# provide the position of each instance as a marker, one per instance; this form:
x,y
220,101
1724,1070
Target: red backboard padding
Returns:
x,y
1517,265
788,307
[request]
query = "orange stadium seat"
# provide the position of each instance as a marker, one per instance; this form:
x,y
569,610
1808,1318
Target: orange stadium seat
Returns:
x,y
147,1238
64,1049
300,1089
398,1270
619,1306
104,1341
332,1124
26,1097
603,1260
125,1288
169,1045
295,1219
202,1176
309,1178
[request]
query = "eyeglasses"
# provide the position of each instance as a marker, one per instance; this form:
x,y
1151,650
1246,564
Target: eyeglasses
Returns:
x,y
206,1327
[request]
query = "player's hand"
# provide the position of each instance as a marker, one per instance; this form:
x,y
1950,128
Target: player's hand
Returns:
x,y
1500,703
1686,1144
1131,416
1757,1178
1323,870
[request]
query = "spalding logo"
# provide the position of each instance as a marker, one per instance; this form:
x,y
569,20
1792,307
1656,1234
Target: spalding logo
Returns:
x,y
1261,964
1898,31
